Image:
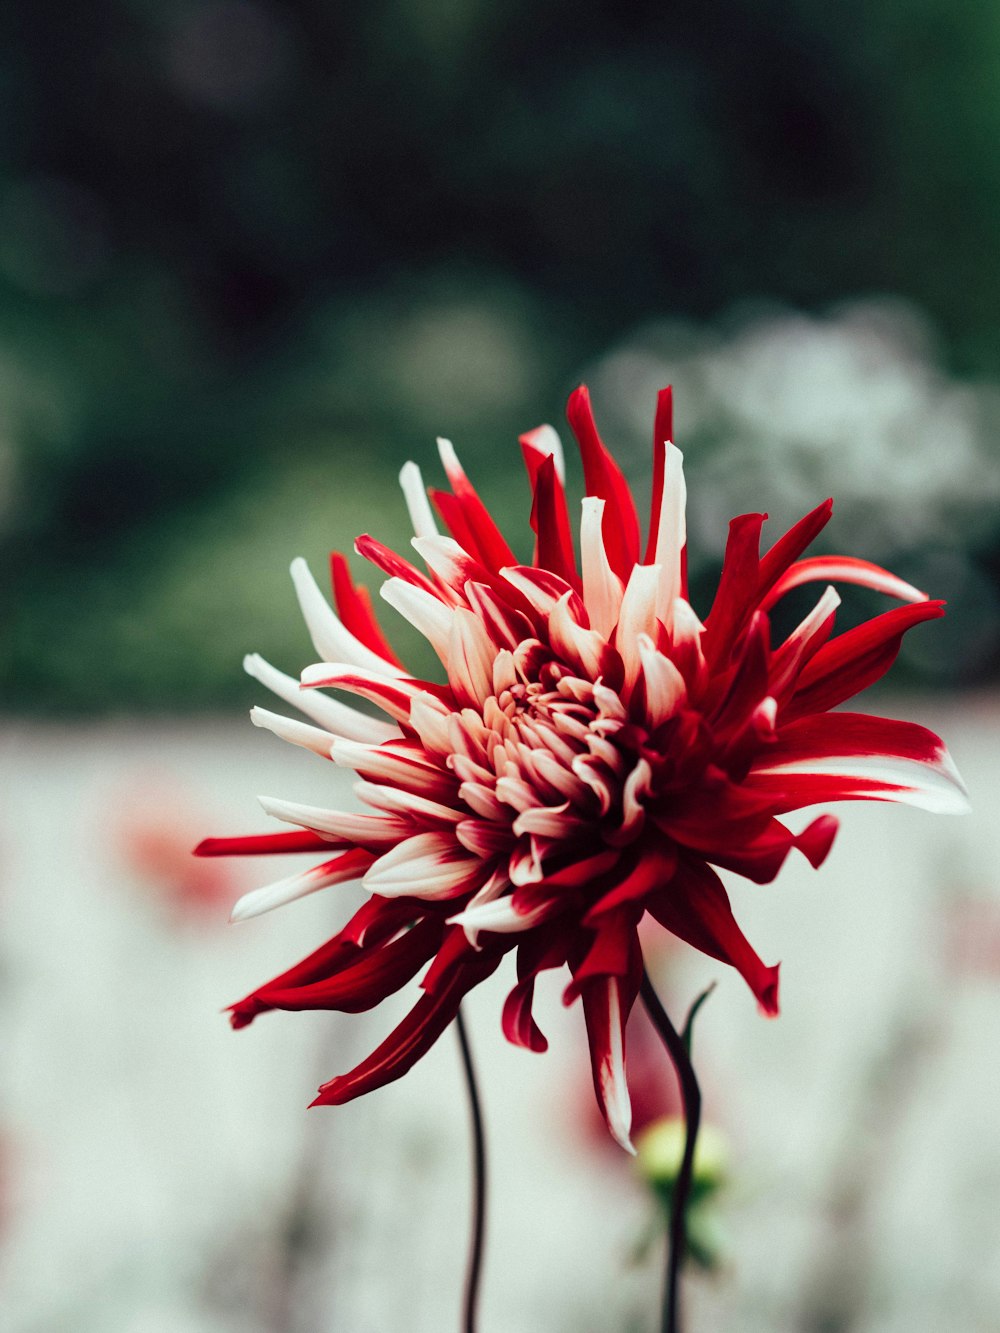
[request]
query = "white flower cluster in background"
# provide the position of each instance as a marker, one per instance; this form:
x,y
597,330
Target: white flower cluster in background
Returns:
x,y
776,410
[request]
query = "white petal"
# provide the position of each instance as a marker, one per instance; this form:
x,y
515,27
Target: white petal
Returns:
x,y
417,503
393,801
429,865
338,823
638,616
288,890
671,531
497,884
789,654
410,771
499,915
470,657
333,641
444,557
297,733
336,717
665,687
423,610
602,588
429,719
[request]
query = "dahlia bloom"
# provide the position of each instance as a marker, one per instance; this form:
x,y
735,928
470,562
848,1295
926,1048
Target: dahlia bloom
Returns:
x,y
595,752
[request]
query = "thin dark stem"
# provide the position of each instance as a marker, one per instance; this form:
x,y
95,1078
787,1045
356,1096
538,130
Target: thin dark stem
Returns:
x,y
479,1179
691,1094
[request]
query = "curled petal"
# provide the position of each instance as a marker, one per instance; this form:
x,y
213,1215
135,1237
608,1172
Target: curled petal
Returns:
x,y
367,830
550,517
392,696
638,616
671,533
425,611
368,978
762,857
371,925
843,569
602,588
735,599
696,908
606,1007
788,548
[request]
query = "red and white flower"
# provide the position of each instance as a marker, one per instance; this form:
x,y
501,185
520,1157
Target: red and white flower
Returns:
x,y
595,752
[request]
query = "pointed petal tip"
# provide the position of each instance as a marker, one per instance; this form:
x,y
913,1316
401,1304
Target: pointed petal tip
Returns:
x,y
767,997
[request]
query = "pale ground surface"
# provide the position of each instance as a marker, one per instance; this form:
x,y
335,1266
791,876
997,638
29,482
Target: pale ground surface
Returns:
x,y
159,1173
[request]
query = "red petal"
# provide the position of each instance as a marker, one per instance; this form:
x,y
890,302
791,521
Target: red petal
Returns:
x,y
414,1036
604,479
761,859
787,549
465,513
519,1026
265,844
696,908
354,607
735,600
844,569
654,869
375,922
851,662
663,432
380,971
392,564
550,519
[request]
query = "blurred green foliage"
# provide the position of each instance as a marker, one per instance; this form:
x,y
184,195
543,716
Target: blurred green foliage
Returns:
x,y
253,255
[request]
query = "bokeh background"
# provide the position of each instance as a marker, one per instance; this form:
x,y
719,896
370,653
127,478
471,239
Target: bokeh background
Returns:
x,y
253,256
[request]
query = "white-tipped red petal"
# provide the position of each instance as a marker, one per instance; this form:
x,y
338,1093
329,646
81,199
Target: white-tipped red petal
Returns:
x,y
427,865
398,801
842,569
351,865
499,915
887,760
603,1007
392,696
545,442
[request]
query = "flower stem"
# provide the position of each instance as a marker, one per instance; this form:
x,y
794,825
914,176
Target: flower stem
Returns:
x,y
479,1181
691,1094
